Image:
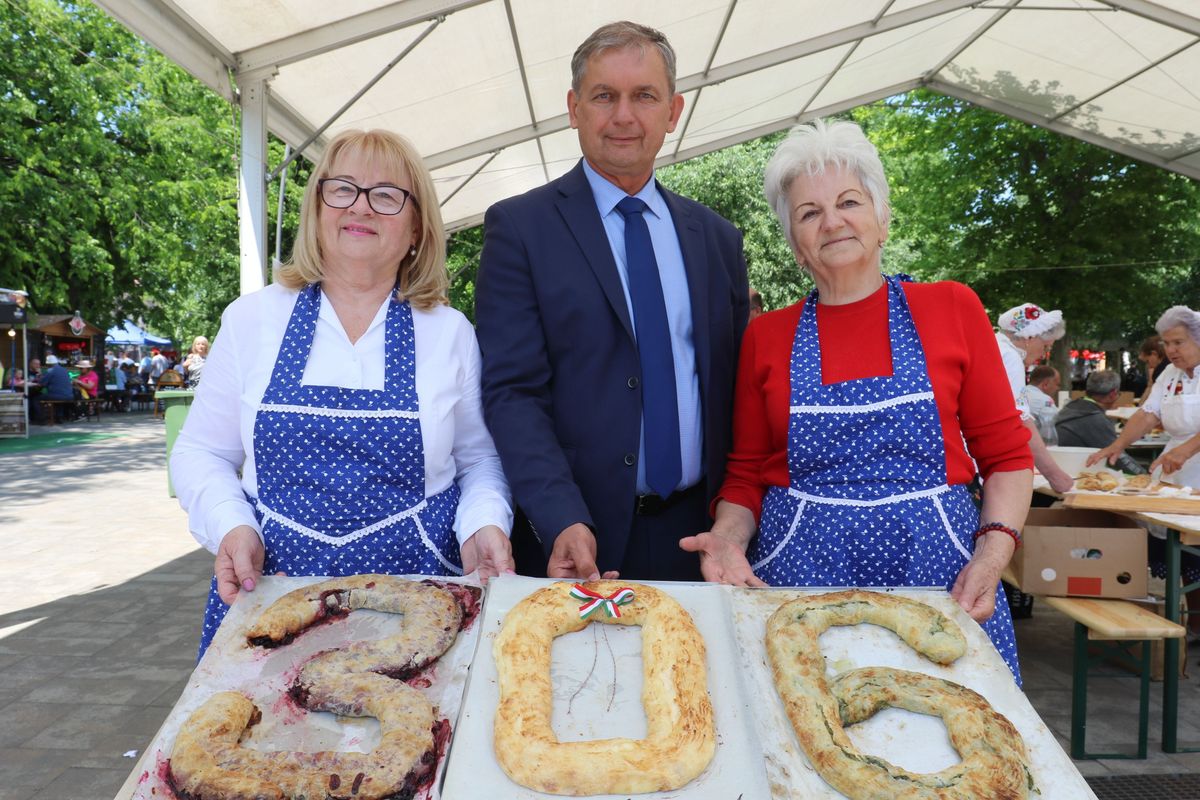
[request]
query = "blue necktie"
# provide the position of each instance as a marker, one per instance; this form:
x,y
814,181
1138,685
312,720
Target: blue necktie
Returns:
x,y
660,408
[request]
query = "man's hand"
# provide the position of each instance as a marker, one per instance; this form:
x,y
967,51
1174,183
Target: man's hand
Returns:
x,y
490,552
574,555
239,562
721,560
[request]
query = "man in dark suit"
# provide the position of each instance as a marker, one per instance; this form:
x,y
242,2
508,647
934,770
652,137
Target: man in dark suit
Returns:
x,y
610,329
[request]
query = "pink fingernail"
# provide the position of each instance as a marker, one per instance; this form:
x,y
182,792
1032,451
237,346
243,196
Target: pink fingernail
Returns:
x,y
248,584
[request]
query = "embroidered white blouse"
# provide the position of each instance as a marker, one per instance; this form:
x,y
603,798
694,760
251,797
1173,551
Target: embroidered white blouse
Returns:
x,y
217,441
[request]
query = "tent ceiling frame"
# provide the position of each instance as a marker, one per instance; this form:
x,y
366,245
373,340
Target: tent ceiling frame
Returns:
x,y
348,31
516,41
712,56
1156,13
1152,65
1023,115
975,36
312,137
468,179
698,80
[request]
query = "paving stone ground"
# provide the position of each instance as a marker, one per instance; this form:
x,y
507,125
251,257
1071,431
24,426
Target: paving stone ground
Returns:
x,y
102,588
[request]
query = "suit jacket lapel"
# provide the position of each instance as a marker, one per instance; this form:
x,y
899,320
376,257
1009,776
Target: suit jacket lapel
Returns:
x,y
578,207
695,264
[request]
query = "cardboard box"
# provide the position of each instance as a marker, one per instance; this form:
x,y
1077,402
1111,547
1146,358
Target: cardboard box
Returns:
x,y
1081,552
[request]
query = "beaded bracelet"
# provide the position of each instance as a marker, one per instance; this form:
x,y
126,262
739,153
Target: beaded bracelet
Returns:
x,y
999,526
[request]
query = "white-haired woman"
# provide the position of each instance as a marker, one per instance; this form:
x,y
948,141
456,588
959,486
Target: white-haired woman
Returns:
x,y
338,428
1026,334
859,410
1174,402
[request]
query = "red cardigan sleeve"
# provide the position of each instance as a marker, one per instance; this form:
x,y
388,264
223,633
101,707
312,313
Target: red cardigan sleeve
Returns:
x,y
984,411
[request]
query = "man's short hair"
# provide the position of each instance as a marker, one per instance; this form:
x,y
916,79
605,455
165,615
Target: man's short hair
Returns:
x,y
618,36
1102,382
1041,373
756,300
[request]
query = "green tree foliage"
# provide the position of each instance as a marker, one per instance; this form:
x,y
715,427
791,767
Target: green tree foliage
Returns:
x,y
118,175
1022,214
730,182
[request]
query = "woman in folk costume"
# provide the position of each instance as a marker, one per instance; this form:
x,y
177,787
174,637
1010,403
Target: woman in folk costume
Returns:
x,y
861,412
338,428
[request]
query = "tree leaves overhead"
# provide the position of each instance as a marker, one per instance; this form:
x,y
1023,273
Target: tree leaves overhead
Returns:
x,y
118,174
118,195
1022,214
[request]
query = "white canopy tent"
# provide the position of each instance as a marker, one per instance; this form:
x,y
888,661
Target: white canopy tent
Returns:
x,y
480,85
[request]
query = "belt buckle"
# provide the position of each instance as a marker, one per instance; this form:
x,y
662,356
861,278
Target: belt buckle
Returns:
x,y
648,505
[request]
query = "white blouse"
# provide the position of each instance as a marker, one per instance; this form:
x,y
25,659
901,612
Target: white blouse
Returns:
x,y
216,445
1170,376
1014,367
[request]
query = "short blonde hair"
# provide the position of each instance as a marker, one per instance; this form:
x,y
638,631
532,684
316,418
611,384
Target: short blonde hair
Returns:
x,y
422,277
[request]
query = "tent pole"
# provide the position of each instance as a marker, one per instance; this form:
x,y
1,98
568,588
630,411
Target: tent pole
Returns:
x,y
252,186
279,209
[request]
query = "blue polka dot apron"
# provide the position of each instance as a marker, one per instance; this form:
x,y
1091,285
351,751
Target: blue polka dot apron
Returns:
x,y
341,472
867,502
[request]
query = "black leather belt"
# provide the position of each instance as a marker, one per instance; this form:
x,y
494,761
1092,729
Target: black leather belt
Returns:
x,y
648,505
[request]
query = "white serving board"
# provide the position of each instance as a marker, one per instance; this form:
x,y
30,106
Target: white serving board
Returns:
x,y
916,742
266,675
606,707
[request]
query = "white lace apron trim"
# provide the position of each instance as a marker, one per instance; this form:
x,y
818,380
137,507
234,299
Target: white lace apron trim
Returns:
x,y
354,536
779,547
881,501
376,413
866,408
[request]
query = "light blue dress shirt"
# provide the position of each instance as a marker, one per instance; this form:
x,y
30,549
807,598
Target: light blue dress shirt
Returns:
x,y
673,276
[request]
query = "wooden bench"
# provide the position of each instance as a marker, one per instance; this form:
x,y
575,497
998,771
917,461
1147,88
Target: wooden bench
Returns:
x,y
1119,625
91,405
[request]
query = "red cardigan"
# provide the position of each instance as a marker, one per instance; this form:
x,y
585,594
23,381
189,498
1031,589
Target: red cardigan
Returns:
x,y
969,384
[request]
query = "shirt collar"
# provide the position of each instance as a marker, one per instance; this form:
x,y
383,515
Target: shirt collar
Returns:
x,y
608,194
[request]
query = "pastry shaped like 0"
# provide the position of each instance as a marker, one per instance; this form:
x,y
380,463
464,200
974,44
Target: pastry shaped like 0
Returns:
x,y
994,761
680,735
207,760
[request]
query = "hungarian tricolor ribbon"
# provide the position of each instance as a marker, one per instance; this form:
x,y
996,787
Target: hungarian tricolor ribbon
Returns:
x,y
594,601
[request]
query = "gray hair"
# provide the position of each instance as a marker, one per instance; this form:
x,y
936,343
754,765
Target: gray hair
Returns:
x,y
1102,382
1176,316
809,149
618,36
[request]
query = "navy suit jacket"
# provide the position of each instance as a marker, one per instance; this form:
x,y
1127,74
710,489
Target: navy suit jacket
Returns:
x,y
561,374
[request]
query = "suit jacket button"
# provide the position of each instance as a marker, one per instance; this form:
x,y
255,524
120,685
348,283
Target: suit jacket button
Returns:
x,y
629,459
632,383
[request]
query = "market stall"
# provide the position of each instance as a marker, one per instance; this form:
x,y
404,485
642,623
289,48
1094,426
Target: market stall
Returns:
x,y
14,355
70,337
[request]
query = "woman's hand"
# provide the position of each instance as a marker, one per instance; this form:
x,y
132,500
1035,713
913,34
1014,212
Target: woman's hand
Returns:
x,y
975,587
1172,460
1109,455
490,552
723,549
239,562
721,560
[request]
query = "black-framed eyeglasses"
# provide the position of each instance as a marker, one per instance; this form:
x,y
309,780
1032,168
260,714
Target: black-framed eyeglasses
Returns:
x,y
386,200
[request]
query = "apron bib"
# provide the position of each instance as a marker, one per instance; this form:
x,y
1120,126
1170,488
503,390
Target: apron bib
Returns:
x,y
341,472
867,502
1181,421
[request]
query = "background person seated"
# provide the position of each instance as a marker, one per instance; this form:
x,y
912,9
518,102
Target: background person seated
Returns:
x,y
1083,423
56,385
1039,396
